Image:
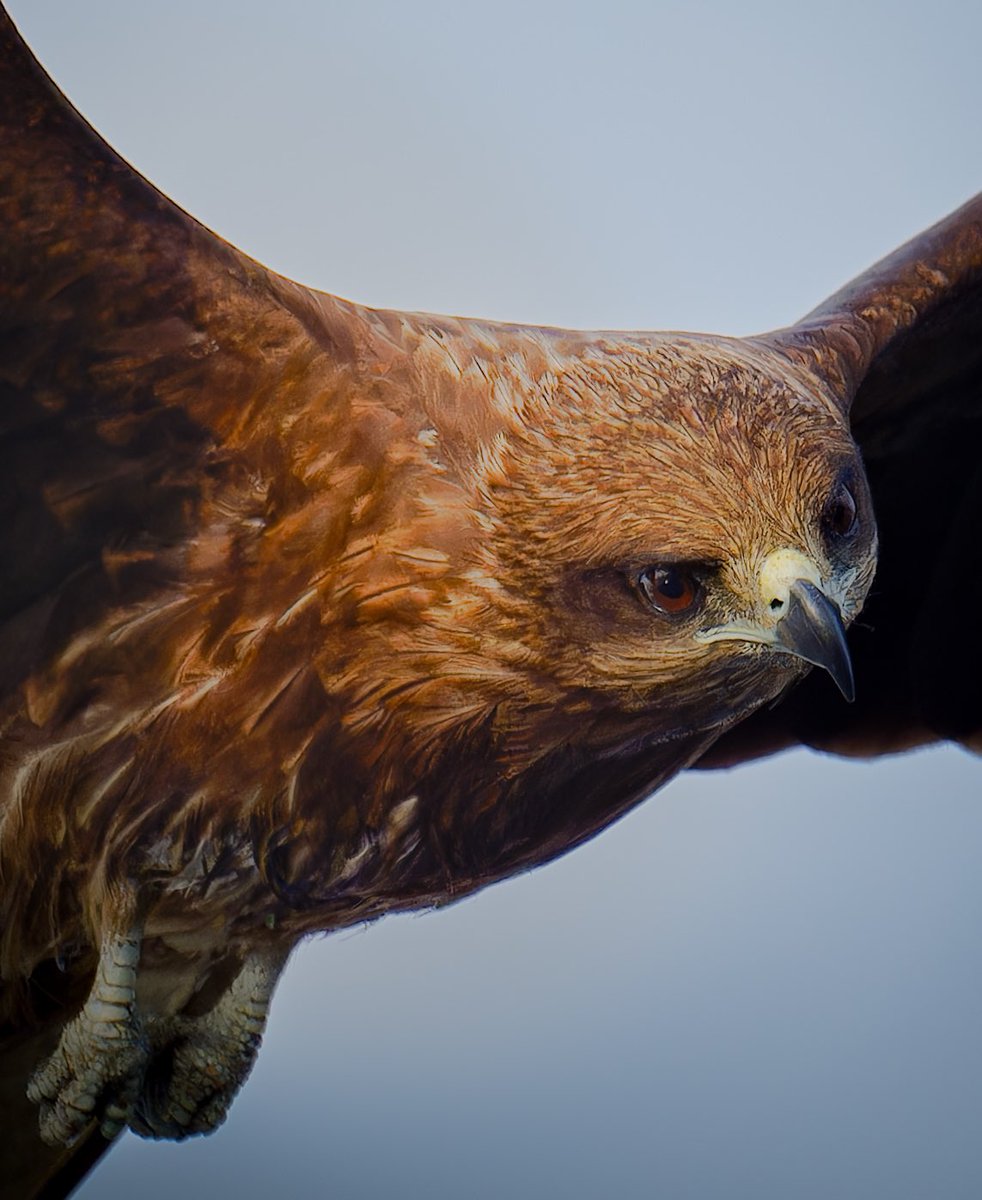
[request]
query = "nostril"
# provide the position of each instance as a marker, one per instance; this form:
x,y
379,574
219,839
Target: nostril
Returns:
x,y
775,603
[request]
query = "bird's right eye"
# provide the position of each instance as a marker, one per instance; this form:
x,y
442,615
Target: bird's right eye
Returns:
x,y
669,589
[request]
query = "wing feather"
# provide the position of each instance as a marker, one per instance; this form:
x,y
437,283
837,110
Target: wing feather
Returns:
x,y
902,348
140,353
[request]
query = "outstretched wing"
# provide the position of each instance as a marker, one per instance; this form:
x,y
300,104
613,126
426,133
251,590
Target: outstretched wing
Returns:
x,y
138,350
902,346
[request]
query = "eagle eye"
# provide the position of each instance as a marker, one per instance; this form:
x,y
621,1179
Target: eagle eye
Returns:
x,y
840,515
668,589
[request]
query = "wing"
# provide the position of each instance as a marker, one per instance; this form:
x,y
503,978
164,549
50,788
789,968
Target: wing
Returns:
x,y
138,351
902,347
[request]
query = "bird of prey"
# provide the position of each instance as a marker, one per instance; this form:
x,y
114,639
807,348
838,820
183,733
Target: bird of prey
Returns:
x,y
315,612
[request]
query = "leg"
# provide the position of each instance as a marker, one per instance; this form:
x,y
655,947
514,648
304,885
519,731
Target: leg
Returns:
x,y
211,1055
102,1052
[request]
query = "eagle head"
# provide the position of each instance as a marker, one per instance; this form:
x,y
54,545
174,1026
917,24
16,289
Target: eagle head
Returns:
x,y
673,531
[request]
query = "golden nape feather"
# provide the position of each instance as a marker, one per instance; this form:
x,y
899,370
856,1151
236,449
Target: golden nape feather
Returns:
x,y
316,612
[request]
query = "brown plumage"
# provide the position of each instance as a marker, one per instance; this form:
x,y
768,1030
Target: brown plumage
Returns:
x,y
321,612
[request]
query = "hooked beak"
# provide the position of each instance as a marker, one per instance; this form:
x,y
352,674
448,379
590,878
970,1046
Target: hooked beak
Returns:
x,y
798,619
812,629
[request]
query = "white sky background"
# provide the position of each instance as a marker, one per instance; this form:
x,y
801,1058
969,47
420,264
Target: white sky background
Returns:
x,y
763,984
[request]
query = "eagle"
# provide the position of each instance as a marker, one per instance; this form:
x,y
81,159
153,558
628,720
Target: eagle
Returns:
x,y
316,612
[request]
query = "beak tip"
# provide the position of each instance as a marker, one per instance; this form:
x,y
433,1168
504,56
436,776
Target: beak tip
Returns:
x,y
812,630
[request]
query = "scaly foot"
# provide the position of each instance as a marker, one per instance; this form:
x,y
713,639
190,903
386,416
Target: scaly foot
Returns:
x,y
211,1057
98,1065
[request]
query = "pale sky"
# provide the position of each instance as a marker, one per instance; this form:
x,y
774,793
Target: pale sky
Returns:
x,y
762,984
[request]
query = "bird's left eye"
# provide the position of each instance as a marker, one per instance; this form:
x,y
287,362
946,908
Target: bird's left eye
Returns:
x,y
839,517
668,589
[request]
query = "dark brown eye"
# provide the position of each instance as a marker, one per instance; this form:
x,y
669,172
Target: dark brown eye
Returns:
x,y
839,517
669,590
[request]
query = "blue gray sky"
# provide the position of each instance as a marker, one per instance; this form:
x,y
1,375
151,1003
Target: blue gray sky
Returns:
x,y
761,984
